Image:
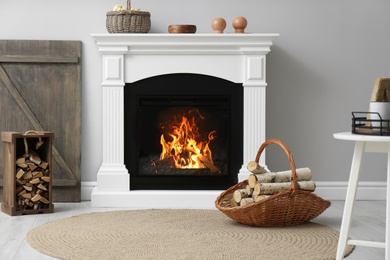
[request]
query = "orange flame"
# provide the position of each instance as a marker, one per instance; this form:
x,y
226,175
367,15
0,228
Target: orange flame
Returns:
x,y
186,152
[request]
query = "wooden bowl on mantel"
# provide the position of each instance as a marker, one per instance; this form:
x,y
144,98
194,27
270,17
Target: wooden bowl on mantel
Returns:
x,y
182,28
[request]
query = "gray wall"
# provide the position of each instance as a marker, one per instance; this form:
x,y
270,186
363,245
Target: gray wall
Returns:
x,y
320,69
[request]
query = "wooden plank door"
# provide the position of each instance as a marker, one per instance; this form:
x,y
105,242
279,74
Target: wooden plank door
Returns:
x,y
40,89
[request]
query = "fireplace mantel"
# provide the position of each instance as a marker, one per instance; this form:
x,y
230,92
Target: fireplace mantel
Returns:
x,y
126,58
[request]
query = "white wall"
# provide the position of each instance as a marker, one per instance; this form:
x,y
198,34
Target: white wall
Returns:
x,y
320,69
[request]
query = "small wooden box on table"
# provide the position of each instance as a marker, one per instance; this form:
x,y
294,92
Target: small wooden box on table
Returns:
x,y
27,175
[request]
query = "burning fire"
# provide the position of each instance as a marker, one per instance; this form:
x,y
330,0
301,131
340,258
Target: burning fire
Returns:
x,y
184,149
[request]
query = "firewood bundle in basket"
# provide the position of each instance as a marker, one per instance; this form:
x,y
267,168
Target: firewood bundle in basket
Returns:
x,y
273,199
262,184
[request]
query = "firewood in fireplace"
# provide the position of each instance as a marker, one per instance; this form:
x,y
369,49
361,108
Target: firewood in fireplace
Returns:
x,y
166,163
152,165
210,165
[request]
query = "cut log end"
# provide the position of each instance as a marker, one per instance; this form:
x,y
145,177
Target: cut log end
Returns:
x,y
255,168
238,195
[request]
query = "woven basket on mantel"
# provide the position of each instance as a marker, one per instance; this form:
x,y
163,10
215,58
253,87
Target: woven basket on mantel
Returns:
x,y
128,21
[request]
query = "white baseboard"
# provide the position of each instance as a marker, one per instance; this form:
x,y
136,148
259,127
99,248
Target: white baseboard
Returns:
x,y
326,190
338,190
86,189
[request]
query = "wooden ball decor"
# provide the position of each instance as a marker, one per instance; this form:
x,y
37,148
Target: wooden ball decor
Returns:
x,y
239,24
218,25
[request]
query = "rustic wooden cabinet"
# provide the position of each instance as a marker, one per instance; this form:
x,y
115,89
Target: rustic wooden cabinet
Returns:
x,y
40,89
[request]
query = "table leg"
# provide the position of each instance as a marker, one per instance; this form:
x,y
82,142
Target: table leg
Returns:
x,y
387,236
350,199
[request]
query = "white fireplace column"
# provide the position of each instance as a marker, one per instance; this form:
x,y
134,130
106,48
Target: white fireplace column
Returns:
x,y
113,174
126,58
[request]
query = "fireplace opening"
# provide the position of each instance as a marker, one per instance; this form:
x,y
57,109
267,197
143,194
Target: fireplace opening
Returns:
x,y
183,131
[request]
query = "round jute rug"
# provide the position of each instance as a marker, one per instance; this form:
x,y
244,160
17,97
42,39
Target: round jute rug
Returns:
x,y
178,234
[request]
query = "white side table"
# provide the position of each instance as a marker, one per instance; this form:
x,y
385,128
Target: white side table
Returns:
x,y
363,143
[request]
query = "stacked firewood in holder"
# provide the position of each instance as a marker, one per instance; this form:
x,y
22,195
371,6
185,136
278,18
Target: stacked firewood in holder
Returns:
x,y
27,172
32,183
263,184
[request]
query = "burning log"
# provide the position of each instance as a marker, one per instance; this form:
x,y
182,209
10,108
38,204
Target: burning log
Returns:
x,y
209,164
185,144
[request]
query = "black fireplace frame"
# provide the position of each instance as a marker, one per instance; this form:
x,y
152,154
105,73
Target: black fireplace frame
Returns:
x,y
180,85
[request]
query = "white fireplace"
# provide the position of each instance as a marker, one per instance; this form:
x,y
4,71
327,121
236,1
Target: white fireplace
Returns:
x,y
126,58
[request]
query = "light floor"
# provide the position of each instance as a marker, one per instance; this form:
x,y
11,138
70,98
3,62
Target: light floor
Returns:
x,y
368,223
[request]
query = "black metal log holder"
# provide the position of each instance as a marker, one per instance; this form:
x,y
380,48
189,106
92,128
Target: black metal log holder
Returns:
x,y
365,125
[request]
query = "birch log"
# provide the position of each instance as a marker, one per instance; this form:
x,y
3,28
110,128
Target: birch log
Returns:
x,y
255,168
303,174
263,177
249,190
260,197
239,194
246,201
273,188
233,203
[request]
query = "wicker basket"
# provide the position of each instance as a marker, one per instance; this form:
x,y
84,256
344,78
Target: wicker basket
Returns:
x,y
286,208
128,21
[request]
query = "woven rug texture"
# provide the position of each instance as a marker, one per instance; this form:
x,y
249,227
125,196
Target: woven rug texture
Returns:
x,y
179,234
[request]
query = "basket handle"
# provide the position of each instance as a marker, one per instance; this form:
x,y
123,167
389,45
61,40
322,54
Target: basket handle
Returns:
x,y
294,183
129,5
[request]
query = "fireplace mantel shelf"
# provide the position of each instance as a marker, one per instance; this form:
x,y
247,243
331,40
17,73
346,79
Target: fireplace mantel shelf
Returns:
x,y
177,44
126,58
